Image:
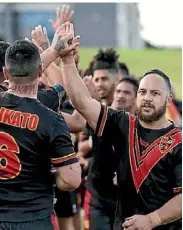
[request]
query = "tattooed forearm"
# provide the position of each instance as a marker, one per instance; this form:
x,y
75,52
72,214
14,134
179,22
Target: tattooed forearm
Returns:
x,y
45,45
24,89
58,43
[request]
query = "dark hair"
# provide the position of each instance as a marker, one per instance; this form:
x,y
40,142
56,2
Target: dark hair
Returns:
x,y
132,81
22,59
89,70
3,47
123,68
161,74
106,59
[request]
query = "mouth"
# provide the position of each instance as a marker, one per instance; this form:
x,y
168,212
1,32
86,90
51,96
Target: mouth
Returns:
x,y
148,106
100,90
121,101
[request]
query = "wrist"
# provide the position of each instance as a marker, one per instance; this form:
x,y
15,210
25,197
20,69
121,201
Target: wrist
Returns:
x,y
52,53
67,60
155,219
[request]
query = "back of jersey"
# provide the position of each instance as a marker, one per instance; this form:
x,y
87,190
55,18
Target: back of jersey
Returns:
x,y
26,150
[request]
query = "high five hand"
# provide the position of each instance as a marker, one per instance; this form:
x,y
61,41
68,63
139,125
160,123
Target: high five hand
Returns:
x,y
63,40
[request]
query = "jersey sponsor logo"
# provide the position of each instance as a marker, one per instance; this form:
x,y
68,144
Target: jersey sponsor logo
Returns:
x,y
142,162
19,119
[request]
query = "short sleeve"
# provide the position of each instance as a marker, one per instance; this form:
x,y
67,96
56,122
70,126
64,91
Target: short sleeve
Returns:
x,y
111,122
177,171
62,151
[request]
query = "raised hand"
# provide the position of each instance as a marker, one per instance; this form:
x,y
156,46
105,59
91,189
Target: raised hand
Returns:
x,y
62,15
36,44
91,87
63,40
40,36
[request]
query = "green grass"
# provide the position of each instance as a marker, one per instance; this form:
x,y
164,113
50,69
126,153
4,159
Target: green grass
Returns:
x,y
140,61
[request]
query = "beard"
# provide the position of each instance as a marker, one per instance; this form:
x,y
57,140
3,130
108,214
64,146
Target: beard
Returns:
x,y
106,92
154,116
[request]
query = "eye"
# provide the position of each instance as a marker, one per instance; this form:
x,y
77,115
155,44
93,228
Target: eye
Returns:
x,y
155,93
142,92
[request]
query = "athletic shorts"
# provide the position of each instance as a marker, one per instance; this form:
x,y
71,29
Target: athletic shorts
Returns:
x,y
47,223
65,203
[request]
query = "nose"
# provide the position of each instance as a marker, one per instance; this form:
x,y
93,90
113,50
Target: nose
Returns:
x,y
99,83
147,97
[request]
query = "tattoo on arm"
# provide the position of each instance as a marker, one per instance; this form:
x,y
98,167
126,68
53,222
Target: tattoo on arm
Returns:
x,y
45,45
58,44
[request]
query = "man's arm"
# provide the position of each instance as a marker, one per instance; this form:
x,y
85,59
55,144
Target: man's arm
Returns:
x,y
75,122
78,93
172,209
65,175
48,56
169,212
53,72
63,157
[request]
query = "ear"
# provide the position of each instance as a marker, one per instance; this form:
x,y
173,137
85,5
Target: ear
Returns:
x,y
6,73
169,99
40,70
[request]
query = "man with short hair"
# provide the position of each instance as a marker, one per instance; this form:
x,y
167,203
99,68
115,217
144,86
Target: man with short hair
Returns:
x,y
148,149
32,139
125,95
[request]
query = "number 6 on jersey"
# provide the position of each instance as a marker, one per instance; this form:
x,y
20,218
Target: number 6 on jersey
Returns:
x,y
10,166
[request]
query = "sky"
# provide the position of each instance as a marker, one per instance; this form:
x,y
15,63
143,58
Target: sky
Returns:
x,y
161,22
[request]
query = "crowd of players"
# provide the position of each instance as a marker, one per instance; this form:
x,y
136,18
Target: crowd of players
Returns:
x,y
130,167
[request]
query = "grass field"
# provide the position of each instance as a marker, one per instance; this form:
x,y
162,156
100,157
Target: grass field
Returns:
x,y
140,61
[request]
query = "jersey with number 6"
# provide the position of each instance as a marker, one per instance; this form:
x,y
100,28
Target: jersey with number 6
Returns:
x,y
32,137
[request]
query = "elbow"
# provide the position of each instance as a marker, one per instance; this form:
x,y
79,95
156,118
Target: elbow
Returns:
x,y
70,186
70,182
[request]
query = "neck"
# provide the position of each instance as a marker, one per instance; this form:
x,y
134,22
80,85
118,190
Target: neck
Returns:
x,y
109,99
160,124
29,90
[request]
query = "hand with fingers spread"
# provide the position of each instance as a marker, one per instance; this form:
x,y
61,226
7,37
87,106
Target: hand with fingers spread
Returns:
x,y
63,40
40,36
138,222
62,15
36,44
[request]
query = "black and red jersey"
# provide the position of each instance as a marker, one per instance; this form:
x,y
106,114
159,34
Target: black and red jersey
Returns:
x,y
149,164
32,138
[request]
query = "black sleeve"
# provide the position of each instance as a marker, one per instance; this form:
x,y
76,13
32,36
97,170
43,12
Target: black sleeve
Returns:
x,y
111,123
62,151
177,171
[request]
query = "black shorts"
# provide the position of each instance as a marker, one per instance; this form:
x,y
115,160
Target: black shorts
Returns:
x,y
65,203
47,223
